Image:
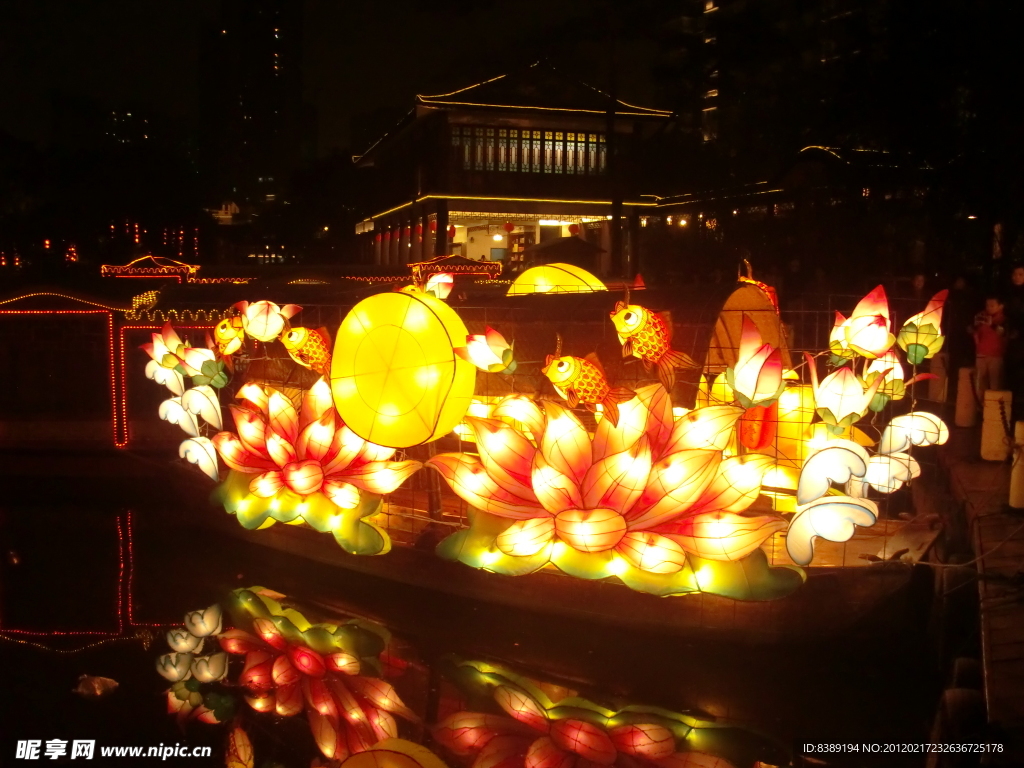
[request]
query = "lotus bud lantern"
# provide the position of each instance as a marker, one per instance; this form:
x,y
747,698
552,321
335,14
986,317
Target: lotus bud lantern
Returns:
x,y
921,336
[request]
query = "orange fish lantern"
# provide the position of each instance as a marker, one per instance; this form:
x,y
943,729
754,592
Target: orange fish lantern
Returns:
x,y
647,336
229,335
310,348
582,382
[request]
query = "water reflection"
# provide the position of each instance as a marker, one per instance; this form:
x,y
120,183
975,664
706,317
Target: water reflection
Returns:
x,y
337,675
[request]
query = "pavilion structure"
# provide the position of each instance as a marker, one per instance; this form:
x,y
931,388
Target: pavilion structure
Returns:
x,y
489,170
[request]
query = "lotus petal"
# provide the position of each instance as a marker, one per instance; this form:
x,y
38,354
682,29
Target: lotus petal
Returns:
x,y
526,538
585,739
646,740
724,535
203,400
233,452
344,451
303,477
837,461
167,377
282,417
555,490
288,700
834,518
251,427
316,402
544,753
705,428
239,641
590,530
383,695
676,483
317,438
649,413
466,733
521,706
381,476
268,484
201,452
470,481
736,485
652,552
173,412
255,394
565,444
344,495
506,455
281,450
619,480
521,409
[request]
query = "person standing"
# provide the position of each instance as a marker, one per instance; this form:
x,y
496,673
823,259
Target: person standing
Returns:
x,y
990,345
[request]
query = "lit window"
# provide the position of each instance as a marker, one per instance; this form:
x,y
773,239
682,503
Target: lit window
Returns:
x,y
711,94
709,6
710,40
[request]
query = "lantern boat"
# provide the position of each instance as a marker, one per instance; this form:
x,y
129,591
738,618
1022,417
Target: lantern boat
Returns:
x,y
654,458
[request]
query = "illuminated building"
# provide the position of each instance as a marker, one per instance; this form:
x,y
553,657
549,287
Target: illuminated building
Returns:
x,y
487,170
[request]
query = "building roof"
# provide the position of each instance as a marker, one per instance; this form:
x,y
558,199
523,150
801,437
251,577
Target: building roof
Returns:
x,y
540,87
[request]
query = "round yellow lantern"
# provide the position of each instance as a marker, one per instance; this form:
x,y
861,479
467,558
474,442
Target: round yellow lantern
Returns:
x,y
395,377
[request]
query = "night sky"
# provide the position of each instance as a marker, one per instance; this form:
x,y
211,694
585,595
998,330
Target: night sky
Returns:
x,y
360,55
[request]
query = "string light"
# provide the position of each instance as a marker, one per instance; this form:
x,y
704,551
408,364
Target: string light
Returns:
x,y
125,598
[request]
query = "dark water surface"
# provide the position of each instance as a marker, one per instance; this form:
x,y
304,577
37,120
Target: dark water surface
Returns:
x,y
66,568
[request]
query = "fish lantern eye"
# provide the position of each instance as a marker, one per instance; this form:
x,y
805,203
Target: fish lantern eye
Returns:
x,y
563,366
629,317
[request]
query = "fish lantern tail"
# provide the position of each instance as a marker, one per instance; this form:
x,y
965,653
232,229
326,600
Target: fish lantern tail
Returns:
x,y
610,404
668,364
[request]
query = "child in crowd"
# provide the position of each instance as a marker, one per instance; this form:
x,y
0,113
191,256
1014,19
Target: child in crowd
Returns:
x,y
990,345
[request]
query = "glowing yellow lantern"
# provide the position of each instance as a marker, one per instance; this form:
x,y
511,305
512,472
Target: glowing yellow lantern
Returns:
x,y
395,376
555,278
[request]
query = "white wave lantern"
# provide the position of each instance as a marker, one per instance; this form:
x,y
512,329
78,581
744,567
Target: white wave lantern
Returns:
x,y
838,461
203,401
886,473
201,452
173,412
834,518
166,377
918,428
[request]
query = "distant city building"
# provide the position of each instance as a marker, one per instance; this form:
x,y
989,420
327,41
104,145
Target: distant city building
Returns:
x,y
254,127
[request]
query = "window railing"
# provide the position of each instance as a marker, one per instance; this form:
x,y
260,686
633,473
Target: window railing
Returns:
x,y
521,150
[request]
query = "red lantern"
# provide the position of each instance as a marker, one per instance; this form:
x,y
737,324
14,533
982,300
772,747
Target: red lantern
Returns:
x,y
419,229
377,237
451,231
758,426
433,227
574,229
508,226
387,235
407,230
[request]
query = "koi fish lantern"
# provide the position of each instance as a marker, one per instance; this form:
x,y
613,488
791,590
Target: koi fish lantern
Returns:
x,y
396,378
582,381
310,348
647,336
229,335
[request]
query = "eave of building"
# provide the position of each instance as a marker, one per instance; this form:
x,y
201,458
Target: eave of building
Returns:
x,y
653,201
